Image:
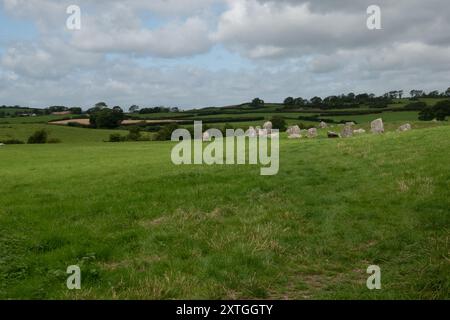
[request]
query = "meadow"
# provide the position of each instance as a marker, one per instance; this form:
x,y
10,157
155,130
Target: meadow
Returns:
x,y
142,228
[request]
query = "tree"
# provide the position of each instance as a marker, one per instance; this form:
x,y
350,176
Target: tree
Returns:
x,y
166,132
257,102
447,92
426,114
316,100
76,110
416,93
400,94
278,123
289,101
442,110
134,109
299,101
101,105
106,118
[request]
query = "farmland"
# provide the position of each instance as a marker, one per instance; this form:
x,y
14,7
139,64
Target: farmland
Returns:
x,y
142,228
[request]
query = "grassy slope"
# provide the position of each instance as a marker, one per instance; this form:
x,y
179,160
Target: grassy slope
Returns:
x,y
140,227
64,133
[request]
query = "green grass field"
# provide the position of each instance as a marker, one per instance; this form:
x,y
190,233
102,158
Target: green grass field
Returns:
x,y
64,133
141,228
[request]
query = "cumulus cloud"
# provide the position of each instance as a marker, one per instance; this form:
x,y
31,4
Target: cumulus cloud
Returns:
x,y
151,52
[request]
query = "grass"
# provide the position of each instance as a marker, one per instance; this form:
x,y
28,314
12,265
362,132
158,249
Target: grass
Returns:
x,y
142,228
64,133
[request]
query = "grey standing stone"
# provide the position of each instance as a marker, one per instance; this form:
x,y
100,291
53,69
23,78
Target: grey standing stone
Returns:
x,y
312,133
323,125
347,132
377,126
251,132
206,136
268,127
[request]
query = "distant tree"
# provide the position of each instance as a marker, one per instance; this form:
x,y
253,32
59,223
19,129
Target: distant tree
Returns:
x,y
299,101
76,110
101,105
118,109
278,123
166,132
416,93
426,114
289,101
433,94
447,92
442,110
134,108
316,100
400,93
106,118
174,109
257,102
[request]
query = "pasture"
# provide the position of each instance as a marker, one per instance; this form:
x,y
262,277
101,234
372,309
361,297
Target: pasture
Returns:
x,y
141,228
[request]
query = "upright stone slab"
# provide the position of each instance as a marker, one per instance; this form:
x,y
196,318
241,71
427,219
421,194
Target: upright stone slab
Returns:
x,y
377,126
323,125
312,133
268,127
347,132
206,136
251,132
294,130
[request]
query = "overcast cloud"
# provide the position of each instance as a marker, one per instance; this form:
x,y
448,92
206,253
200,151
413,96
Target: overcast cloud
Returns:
x,y
194,53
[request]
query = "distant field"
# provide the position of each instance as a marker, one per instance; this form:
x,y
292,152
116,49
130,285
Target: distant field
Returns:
x,y
37,119
65,134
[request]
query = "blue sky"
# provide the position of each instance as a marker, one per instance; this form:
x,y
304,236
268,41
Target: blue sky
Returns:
x,y
194,53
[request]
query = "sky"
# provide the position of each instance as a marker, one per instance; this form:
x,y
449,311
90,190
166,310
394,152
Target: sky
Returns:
x,y
201,53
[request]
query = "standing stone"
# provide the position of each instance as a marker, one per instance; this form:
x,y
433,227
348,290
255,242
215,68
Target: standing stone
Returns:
x,y
405,127
312,133
251,132
377,126
359,131
206,136
262,132
293,130
350,124
268,127
323,125
347,132
333,135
